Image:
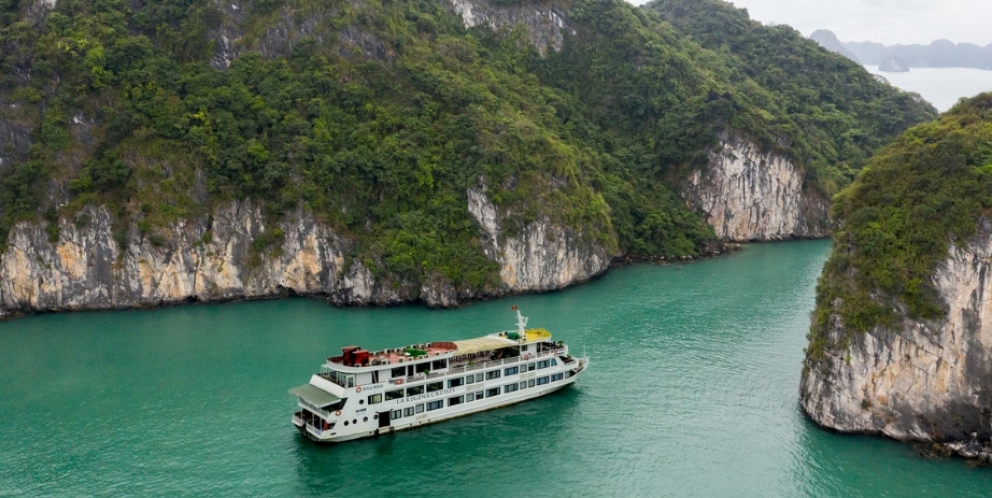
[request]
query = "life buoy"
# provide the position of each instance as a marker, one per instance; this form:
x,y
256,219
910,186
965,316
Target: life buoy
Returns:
x,y
338,413
358,389
399,381
526,357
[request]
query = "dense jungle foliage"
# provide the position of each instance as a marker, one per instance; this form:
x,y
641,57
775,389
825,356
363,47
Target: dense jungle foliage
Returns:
x,y
832,114
896,222
382,113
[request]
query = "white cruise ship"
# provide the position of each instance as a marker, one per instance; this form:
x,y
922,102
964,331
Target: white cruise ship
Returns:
x,y
362,393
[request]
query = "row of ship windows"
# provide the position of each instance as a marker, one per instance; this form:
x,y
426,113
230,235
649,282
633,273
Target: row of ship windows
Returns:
x,y
418,368
476,396
461,381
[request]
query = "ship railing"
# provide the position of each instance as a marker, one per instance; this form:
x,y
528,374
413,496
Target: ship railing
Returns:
x,y
475,367
297,420
314,408
317,431
504,361
408,379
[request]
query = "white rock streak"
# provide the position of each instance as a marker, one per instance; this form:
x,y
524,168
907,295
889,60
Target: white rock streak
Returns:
x,y
748,195
542,257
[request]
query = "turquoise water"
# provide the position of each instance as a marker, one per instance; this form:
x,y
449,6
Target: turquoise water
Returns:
x,y
692,392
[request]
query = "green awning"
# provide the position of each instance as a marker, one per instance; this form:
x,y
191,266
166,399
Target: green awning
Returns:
x,y
314,395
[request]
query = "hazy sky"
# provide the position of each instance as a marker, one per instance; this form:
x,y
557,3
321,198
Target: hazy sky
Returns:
x,y
885,21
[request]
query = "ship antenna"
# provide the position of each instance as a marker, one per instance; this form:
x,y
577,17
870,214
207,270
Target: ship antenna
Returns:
x,y
521,322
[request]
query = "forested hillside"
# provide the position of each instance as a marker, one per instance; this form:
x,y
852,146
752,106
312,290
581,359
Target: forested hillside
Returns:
x,y
379,116
832,113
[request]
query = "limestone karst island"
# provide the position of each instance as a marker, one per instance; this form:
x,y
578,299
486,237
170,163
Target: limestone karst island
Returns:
x,y
784,259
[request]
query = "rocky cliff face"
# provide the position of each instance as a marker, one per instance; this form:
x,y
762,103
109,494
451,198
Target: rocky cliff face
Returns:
x,y
542,257
209,259
924,381
219,258
546,23
748,195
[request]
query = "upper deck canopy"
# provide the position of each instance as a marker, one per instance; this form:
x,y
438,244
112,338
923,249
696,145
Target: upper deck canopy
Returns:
x,y
314,394
488,343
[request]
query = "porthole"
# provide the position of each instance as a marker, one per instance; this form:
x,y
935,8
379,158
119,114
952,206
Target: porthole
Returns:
x,y
375,417
365,419
354,421
361,401
346,423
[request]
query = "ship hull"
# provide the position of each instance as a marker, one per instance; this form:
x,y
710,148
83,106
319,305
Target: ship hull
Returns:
x,y
369,427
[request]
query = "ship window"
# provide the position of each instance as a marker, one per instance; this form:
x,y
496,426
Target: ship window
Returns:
x,y
542,381
470,379
399,372
435,386
408,412
509,388
415,390
420,408
512,371
423,367
395,414
456,382
523,385
554,362
391,395
349,381
457,400
557,377
375,398
478,377
492,392
530,383
470,397
492,374
439,364
530,367
524,348
478,395
435,405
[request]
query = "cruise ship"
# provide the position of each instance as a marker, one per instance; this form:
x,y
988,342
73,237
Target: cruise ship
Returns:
x,y
361,393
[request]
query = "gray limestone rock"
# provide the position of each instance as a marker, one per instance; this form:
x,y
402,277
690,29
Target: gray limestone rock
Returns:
x,y
920,381
747,195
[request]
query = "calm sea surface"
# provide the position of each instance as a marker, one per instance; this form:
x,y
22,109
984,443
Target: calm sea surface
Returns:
x,y
941,87
692,392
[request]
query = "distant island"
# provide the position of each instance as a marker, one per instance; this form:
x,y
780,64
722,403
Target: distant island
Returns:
x,y
894,65
939,54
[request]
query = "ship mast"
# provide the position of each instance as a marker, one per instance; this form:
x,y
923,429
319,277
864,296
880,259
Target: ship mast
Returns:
x,y
521,322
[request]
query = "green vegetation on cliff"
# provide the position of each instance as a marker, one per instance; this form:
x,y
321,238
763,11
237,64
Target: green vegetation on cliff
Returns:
x,y
896,222
378,115
831,113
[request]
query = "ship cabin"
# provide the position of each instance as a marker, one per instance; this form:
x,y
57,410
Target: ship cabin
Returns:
x,y
356,367
378,375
